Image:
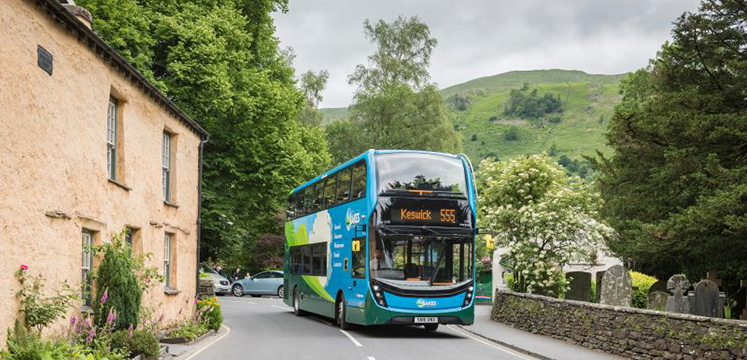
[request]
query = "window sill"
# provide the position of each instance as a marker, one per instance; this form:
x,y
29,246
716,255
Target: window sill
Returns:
x,y
171,291
169,203
122,186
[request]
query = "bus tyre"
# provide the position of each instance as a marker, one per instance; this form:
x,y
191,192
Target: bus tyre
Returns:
x,y
341,314
430,327
296,303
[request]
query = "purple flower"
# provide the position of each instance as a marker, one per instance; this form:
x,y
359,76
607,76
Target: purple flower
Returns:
x,y
105,297
91,334
129,332
72,321
88,323
180,312
111,317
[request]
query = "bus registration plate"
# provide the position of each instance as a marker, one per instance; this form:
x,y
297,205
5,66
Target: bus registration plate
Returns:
x,y
426,320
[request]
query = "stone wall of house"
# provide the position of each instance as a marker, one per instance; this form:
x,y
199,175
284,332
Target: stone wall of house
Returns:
x,y
53,164
629,332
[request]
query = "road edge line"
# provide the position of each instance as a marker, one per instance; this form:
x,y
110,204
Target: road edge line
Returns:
x,y
228,331
351,338
504,344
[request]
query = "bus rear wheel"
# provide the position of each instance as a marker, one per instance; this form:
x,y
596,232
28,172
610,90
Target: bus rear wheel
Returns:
x,y
341,313
430,327
296,303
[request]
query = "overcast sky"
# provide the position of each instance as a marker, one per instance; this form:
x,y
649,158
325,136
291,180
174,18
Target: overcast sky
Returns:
x,y
483,37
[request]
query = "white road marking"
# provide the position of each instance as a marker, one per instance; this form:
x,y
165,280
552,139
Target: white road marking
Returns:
x,y
228,331
251,303
282,308
351,338
371,358
493,345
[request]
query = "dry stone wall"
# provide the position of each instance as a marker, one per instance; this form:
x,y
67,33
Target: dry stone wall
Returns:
x,y
629,332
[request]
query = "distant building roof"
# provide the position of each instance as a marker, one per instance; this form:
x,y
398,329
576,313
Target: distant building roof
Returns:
x,y
108,54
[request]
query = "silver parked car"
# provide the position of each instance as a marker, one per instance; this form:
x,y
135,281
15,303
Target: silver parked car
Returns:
x,y
264,283
221,284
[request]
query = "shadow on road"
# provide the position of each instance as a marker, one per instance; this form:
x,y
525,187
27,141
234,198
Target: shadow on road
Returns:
x,y
404,332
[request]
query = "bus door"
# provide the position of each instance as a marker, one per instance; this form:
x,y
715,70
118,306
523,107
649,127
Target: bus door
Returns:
x,y
356,287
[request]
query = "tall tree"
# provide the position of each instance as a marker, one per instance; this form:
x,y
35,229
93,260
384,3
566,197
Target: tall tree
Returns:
x,y
676,187
395,105
220,62
312,85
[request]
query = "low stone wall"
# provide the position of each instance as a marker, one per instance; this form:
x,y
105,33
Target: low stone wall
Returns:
x,y
629,332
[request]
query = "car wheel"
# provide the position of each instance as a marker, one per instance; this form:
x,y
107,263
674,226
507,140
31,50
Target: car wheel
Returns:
x,y
280,291
430,327
296,304
341,312
238,290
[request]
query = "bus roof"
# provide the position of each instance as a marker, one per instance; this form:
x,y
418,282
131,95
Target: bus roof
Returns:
x,y
363,156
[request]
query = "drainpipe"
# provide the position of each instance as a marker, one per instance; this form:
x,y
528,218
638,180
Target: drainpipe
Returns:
x,y
199,214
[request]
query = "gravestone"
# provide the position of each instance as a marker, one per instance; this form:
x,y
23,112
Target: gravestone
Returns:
x,y
598,286
705,300
580,286
616,287
660,285
678,302
657,300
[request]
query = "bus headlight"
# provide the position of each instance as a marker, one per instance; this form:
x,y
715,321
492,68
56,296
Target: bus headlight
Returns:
x,y
378,295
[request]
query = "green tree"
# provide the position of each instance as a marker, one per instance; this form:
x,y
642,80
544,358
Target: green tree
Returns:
x,y
676,187
312,85
545,218
117,289
395,105
220,62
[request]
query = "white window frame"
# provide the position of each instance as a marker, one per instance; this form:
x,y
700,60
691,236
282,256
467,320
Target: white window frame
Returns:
x,y
166,166
111,138
167,260
86,267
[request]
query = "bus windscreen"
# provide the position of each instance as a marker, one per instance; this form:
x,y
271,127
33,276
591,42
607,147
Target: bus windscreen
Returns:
x,y
420,174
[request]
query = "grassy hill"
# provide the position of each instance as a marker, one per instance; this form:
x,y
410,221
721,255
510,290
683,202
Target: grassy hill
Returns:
x,y
588,102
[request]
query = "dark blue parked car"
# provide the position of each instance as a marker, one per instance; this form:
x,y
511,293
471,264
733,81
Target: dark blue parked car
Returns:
x,y
264,283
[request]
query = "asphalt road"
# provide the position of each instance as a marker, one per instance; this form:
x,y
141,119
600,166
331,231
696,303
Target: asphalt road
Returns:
x,y
265,328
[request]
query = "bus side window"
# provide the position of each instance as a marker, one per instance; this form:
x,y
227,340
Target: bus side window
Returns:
x,y
290,212
343,186
306,255
318,195
359,181
329,191
298,199
308,199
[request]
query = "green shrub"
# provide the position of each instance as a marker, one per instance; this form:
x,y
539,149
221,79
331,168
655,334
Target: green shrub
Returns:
x,y
141,343
512,134
189,330
23,345
39,310
641,284
117,287
210,312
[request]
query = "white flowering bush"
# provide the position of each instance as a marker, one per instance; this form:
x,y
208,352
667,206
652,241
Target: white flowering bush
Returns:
x,y
545,218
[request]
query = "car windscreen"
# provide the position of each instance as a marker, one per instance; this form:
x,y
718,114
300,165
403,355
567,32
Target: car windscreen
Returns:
x,y
420,174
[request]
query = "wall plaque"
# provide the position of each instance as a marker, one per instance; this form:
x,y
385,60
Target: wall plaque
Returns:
x,y
44,59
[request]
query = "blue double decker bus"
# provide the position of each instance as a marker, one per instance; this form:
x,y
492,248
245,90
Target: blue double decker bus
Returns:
x,y
388,237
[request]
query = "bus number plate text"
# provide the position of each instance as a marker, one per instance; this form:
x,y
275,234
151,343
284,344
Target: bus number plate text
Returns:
x,y
426,320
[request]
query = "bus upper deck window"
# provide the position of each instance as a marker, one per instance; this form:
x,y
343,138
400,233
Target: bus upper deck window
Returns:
x,y
359,181
343,186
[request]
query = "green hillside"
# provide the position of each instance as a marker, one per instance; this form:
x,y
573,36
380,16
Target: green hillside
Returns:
x,y
588,102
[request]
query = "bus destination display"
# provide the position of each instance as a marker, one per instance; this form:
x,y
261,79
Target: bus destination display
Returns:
x,y
429,216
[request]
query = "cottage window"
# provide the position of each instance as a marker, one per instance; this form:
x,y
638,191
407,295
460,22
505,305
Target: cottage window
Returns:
x,y
86,266
167,250
111,139
166,166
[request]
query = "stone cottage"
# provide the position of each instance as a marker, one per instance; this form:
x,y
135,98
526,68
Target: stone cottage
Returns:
x,y
89,147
